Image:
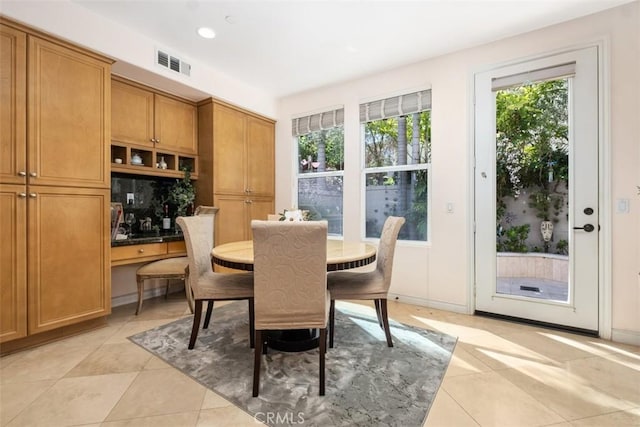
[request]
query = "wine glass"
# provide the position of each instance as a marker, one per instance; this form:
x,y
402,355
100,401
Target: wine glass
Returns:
x,y
130,219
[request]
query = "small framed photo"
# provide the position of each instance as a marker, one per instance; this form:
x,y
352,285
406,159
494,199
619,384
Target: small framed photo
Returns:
x,y
117,218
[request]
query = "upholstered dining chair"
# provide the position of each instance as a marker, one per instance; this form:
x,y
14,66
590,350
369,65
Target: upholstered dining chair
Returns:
x,y
370,285
290,283
169,269
206,284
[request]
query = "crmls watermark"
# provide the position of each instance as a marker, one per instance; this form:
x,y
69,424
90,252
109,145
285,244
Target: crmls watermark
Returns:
x,y
289,418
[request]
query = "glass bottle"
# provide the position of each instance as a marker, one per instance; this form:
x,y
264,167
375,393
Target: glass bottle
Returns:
x,y
166,221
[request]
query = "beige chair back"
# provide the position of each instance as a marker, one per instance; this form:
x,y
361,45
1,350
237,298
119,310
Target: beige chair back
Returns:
x,y
198,238
387,247
290,274
273,217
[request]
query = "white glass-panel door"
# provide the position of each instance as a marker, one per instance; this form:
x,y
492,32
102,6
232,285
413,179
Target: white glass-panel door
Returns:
x,y
536,190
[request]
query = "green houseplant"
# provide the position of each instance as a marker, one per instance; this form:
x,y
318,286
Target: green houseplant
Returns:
x,y
182,194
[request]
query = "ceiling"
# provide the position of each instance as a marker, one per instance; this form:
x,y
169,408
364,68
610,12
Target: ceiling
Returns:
x,y
284,47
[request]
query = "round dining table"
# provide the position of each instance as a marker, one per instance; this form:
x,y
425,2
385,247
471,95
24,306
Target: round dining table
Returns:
x,y
340,256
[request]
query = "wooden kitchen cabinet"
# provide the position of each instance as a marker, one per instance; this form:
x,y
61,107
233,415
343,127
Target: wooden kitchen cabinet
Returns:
x,y
155,126
68,111
237,167
176,125
54,186
144,252
236,213
13,115
147,118
71,285
131,114
13,262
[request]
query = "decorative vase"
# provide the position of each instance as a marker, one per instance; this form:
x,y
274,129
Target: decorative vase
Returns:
x,y
162,164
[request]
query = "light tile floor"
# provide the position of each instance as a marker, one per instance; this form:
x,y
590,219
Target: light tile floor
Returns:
x,y
501,374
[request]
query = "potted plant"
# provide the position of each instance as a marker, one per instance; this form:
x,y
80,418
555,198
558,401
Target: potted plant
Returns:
x,y
182,194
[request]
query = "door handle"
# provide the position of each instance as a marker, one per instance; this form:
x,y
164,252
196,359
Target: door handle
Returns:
x,y
587,227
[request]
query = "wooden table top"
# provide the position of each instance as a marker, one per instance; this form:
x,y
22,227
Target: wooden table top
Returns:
x,y
340,255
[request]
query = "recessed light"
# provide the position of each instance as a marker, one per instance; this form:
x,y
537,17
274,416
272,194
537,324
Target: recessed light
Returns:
x,y
206,32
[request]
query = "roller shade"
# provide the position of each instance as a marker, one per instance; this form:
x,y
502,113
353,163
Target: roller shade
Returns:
x,y
395,106
316,122
541,75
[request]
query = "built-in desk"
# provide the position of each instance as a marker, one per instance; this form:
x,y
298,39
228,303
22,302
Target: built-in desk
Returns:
x,y
147,248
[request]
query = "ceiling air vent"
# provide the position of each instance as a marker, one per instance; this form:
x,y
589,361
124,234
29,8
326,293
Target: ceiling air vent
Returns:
x,y
170,62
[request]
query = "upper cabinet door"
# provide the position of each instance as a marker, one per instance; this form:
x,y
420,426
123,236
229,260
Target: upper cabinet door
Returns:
x,y
69,116
229,164
176,125
260,157
131,114
13,92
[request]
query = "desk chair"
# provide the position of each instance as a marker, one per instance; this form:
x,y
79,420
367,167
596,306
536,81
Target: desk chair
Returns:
x,y
169,269
371,285
206,284
290,286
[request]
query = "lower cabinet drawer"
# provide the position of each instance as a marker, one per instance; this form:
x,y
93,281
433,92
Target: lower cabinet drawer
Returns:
x,y
177,247
133,252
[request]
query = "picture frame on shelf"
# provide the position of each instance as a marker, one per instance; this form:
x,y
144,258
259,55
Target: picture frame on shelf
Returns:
x,y
117,218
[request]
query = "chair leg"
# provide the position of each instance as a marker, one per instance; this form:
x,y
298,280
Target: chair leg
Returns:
x,y
188,292
332,321
166,291
378,312
207,318
323,350
196,323
140,292
257,355
252,331
385,320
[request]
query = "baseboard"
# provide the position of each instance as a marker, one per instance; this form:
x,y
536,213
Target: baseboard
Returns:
x,y
625,337
133,297
438,305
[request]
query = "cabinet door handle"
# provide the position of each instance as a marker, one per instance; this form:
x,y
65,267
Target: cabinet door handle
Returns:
x,y
22,173
22,195
248,201
33,174
157,141
141,251
33,195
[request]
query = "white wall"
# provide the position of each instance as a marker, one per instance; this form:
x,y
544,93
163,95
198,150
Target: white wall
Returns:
x,y
439,274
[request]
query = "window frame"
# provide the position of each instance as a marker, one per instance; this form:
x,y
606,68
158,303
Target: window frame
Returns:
x,y
397,168
323,174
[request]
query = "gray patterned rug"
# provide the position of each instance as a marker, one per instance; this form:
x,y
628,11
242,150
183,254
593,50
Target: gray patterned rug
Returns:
x,y
367,383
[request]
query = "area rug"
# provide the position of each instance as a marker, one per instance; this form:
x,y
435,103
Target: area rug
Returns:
x,y
367,383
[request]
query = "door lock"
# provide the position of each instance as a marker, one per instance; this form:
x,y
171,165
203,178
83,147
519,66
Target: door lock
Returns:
x,y
587,227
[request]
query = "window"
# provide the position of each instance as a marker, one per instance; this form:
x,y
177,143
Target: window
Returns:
x,y
320,140
397,148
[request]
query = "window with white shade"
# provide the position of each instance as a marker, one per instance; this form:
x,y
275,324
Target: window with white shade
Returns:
x,y
320,142
396,138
